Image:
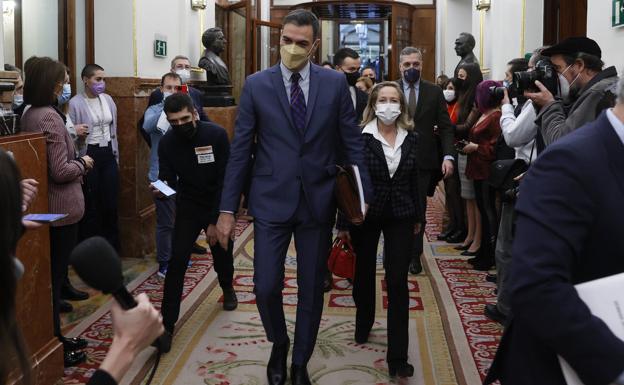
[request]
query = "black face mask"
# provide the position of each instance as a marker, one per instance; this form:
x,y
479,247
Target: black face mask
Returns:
x,y
186,130
352,77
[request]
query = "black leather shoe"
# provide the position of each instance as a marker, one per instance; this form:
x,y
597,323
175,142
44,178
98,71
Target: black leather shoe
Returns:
x,y
65,307
163,343
483,264
71,344
469,253
361,335
73,358
492,312
445,234
299,375
415,266
70,293
197,249
457,237
230,302
276,368
491,278
402,370
327,284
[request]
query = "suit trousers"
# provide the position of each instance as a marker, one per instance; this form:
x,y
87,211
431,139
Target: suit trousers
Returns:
x,y
101,191
424,179
312,242
398,240
503,257
165,219
454,204
63,239
189,221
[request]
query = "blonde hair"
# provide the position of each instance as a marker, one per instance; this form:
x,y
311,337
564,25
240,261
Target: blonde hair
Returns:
x,y
367,82
403,121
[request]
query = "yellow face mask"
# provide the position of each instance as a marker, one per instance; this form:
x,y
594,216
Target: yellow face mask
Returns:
x,y
294,56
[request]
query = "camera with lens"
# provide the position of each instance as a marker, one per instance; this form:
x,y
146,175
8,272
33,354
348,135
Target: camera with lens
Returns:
x,y
544,71
498,93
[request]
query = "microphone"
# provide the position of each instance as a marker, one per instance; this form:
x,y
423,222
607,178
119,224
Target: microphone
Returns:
x,y
99,266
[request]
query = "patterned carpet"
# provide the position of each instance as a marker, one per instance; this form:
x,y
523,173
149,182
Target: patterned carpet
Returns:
x,y
91,319
451,341
461,295
227,348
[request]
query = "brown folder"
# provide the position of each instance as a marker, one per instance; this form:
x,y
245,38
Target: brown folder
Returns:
x,y
349,194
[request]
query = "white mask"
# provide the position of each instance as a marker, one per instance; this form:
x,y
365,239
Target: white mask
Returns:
x,y
449,95
184,74
18,100
388,112
166,95
564,87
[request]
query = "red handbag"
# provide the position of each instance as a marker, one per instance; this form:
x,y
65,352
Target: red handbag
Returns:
x,y
341,260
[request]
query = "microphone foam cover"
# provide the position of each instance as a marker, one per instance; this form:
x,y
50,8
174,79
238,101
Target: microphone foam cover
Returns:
x,y
97,264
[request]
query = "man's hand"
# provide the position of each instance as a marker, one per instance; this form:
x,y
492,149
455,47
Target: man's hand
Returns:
x,y
225,229
417,228
541,98
82,130
29,192
156,192
470,148
211,235
447,168
344,235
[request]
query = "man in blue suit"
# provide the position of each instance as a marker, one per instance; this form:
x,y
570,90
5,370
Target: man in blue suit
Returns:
x,y
302,116
568,231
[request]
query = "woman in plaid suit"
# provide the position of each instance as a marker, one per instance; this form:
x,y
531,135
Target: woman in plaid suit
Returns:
x,y
390,153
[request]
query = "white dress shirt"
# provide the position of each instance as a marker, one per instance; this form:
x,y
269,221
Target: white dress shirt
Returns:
x,y
353,96
102,118
304,82
392,154
519,132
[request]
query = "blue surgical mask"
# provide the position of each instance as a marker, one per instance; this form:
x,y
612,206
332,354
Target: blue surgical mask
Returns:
x,y
18,100
506,83
65,94
411,75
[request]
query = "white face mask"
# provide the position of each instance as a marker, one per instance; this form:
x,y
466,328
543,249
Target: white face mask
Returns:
x,y
184,74
564,87
449,95
166,95
18,100
388,112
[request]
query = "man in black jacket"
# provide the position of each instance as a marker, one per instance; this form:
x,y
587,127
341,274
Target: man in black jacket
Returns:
x,y
192,158
427,107
348,62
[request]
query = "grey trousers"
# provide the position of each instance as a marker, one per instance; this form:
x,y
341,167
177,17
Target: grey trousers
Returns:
x,y
503,257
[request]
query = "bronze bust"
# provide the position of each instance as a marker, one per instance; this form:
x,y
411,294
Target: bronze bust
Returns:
x,y
217,73
464,45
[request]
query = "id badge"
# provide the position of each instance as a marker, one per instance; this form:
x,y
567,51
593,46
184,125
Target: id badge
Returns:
x,y
103,143
204,155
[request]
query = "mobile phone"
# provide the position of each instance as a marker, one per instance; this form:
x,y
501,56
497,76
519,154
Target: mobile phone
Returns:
x,y
44,218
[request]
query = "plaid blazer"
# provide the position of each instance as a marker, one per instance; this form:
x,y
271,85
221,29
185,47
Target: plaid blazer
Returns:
x,y
401,190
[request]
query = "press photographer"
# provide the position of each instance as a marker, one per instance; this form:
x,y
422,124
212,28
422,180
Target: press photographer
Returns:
x,y
586,89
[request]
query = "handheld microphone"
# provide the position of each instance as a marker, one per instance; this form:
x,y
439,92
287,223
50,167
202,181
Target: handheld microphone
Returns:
x,y
99,266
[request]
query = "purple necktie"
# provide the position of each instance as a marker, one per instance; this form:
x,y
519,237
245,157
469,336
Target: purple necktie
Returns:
x,y
297,102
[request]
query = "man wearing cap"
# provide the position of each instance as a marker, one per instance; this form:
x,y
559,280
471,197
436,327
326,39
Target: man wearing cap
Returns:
x,y
586,89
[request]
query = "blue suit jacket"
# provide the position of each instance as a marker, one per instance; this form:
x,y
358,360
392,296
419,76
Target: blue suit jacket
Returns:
x,y
288,160
569,230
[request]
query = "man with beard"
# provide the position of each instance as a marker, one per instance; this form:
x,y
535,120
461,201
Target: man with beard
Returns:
x,y
586,89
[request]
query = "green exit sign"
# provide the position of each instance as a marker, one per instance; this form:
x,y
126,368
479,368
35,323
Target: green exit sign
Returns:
x,y
618,13
160,48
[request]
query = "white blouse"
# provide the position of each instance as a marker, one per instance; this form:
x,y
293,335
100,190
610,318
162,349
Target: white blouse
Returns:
x,y
392,154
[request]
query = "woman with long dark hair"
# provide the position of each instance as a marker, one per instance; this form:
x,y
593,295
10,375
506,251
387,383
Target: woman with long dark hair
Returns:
x,y
468,77
11,341
44,83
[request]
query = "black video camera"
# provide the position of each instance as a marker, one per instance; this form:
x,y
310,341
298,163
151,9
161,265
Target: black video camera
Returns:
x,y
498,93
544,71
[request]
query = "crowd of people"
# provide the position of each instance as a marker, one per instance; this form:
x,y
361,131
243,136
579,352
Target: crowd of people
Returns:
x,y
406,136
